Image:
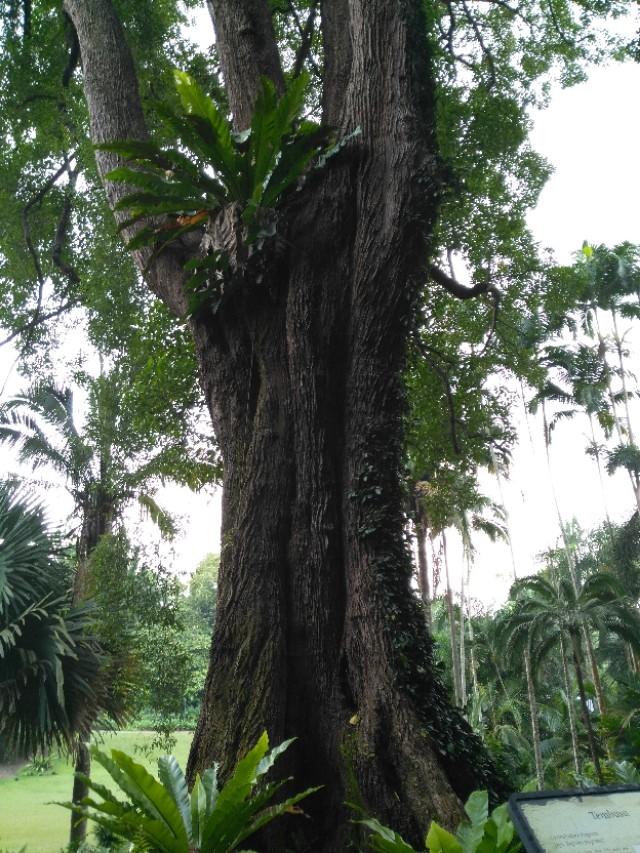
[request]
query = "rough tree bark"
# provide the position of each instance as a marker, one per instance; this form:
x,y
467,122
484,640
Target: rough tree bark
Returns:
x,y
317,632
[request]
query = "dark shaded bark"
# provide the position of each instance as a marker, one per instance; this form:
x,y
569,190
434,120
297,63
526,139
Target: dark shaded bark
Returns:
x,y
248,51
78,827
97,509
318,634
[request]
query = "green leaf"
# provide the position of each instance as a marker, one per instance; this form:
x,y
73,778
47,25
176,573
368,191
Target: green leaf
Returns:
x,y
477,807
173,779
504,827
385,839
145,791
440,841
267,815
212,127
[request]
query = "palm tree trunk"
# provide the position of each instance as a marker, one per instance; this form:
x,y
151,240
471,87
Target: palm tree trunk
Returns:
x,y
618,343
474,671
586,717
631,438
455,657
572,566
635,484
595,672
603,494
535,725
463,655
423,565
78,828
570,708
507,521
97,521
631,658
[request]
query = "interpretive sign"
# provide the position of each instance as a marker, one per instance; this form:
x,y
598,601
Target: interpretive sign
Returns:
x,y
596,820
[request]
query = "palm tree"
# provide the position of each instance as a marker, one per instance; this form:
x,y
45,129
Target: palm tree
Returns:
x,y
612,279
51,670
507,629
551,613
453,501
96,465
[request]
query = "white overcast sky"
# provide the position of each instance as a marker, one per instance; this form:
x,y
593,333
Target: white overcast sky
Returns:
x,y
590,134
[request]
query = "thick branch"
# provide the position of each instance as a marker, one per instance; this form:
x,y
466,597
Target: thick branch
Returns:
x,y
62,232
74,52
115,110
459,290
248,51
338,54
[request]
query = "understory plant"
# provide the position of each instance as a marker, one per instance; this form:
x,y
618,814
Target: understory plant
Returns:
x,y
228,185
481,832
162,816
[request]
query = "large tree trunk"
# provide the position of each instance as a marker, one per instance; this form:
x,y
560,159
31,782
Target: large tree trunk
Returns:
x,y
318,634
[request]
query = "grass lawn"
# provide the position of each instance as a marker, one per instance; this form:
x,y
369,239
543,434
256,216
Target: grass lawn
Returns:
x,y
26,814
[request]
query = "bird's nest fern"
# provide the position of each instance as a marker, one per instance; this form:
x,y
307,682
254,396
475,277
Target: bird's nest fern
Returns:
x,y
228,185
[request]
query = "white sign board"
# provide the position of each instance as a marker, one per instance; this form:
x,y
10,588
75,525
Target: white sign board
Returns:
x,y
598,821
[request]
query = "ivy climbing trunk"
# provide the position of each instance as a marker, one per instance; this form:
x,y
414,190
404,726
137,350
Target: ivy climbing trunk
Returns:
x,y
318,634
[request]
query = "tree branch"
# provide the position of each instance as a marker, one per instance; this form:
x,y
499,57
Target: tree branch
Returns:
x,y
74,51
306,38
486,53
62,230
37,320
60,236
115,110
335,24
495,296
459,290
248,50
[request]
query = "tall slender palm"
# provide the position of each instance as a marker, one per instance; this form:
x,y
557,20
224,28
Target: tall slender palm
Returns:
x,y
612,286
541,398
550,612
453,501
517,643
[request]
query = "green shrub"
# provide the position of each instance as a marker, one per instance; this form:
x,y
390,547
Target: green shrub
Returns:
x,y
481,833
